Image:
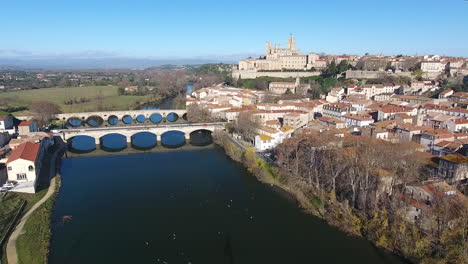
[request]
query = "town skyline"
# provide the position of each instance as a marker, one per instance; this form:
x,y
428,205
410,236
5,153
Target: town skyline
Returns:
x,y
194,30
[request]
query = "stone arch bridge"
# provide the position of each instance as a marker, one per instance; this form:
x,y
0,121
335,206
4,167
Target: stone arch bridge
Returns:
x,y
129,131
124,117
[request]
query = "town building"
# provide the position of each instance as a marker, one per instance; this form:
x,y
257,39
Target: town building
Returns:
x,y
24,165
288,87
26,127
6,124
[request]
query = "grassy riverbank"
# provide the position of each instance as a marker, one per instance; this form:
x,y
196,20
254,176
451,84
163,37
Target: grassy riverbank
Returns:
x,y
33,245
396,234
10,203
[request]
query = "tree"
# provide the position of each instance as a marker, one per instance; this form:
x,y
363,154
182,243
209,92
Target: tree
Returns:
x,y
418,74
342,66
331,69
44,111
121,91
246,126
198,114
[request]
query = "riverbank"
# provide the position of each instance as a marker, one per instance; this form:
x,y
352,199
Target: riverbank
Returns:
x,y
29,242
324,205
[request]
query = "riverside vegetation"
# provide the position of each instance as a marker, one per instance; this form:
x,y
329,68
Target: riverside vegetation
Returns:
x,y
336,180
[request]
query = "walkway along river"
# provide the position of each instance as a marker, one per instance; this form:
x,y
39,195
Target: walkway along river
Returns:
x,y
187,206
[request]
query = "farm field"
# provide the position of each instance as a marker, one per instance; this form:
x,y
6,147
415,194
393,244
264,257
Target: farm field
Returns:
x,y
109,94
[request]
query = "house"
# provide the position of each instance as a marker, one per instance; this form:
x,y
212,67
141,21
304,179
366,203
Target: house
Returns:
x,y
357,120
288,87
375,132
269,137
453,168
431,137
445,93
387,112
403,118
422,198
337,110
6,124
24,165
332,122
296,119
26,127
432,66
457,125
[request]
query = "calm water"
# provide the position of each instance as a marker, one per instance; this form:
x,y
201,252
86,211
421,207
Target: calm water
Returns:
x,y
187,207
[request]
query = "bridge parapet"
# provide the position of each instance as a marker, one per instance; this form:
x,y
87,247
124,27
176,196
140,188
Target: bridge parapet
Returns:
x,y
129,131
120,114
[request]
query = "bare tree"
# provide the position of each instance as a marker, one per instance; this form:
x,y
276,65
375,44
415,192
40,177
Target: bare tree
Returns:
x,y
44,111
198,114
246,126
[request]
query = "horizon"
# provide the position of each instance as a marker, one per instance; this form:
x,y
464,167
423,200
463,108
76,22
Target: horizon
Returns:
x,y
185,30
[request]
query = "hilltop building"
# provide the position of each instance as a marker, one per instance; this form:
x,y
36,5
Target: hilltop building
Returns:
x,y
281,61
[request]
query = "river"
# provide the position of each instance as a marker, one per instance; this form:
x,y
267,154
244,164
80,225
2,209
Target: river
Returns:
x,y
187,206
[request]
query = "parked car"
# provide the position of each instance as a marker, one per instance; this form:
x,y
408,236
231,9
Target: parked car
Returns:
x,y
3,189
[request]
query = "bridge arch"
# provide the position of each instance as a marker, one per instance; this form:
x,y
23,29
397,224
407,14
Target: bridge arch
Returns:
x,y
156,118
127,119
140,118
94,121
201,137
113,142
173,138
144,140
74,121
81,144
113,120
172,117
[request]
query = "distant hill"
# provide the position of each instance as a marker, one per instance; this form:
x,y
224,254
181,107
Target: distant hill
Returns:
x,y
97,63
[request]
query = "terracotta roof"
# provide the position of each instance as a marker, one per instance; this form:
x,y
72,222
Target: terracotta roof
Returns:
x,y
26,123
395,109
26,151
461,121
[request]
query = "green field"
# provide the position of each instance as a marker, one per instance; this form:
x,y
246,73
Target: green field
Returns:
x,y
110,98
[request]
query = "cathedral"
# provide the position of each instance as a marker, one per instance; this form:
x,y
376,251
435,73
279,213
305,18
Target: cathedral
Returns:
x,y
280,59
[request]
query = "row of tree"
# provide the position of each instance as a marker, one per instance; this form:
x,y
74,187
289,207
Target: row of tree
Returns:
x,y
355,184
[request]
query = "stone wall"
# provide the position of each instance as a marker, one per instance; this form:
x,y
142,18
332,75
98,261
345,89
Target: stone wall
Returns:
x,y
244,74
373,74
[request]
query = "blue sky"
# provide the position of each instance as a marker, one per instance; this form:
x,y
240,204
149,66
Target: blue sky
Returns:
x,y
175,28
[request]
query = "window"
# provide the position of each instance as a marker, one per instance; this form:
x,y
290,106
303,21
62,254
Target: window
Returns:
x,y
21,176
9,168
30,168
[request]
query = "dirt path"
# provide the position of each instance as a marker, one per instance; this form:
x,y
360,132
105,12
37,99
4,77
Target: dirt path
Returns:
x,y
11,253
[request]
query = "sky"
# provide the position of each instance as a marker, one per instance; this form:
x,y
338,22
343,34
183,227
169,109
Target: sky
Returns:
x,y
230,29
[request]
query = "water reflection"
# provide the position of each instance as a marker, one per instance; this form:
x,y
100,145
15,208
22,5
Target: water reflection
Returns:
x,y
81,144
201,137
173,139
144,140
172,117
94,121
113,120
156,118
140,118
126,119
113,142
74,121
